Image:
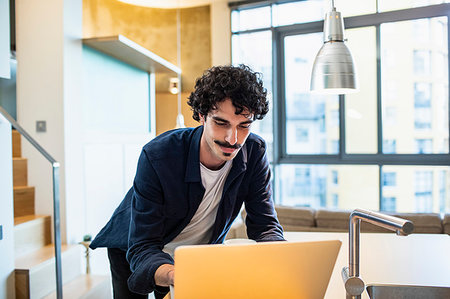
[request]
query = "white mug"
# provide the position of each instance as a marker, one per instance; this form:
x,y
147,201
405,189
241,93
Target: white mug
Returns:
x,y
239,241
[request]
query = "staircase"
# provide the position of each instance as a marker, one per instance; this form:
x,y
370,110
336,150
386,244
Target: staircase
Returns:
x,y
34,252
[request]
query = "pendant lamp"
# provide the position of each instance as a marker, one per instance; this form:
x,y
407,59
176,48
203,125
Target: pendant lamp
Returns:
x,y
333,69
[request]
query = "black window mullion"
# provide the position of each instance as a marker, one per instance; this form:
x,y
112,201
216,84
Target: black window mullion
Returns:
x,y
380,187
379,112
281,100
448,63
379,93
342,136
370,159
430,11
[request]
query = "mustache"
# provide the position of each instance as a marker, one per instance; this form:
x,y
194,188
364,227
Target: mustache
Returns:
x,y
227,145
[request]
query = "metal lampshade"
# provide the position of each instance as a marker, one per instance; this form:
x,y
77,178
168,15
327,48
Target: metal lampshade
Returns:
x,y
333,70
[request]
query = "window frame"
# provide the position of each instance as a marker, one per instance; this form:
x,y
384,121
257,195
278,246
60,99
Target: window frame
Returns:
x,y
381,159
376,19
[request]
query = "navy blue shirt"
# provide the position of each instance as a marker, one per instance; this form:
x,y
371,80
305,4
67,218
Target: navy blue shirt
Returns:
x,y
166,193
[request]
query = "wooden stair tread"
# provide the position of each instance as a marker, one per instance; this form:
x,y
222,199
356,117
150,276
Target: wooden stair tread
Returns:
x,y
19,159
39,256
27,218
81,285
22,187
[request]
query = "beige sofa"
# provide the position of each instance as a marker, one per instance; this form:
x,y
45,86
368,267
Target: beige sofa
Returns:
x,y
325,220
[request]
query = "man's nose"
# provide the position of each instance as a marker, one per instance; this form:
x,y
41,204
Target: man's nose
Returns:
x,y
231,137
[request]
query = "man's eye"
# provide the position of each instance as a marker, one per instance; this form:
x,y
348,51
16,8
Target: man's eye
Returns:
x,y
221,124
246,126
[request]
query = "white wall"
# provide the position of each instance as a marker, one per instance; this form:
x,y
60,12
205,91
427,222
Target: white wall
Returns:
x,y
40,93
6,212
72,120
49,87
116,114
4,39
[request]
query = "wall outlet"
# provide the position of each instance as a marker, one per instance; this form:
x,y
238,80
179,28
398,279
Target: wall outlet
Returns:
x,y
41,126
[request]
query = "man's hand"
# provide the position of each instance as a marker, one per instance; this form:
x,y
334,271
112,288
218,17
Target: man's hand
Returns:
x,y
164,275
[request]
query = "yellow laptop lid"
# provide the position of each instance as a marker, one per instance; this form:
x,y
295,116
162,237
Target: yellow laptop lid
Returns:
x,y
264,270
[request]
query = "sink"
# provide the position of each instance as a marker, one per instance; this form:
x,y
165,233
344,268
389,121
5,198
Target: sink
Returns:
x,y
385,291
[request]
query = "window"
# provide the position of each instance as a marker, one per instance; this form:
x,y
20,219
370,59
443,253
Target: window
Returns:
x,y
303,108
334,122
422,118
389,179
301,134
373,138
334,146
388,5
335,200
388,204
424,146
248,19
390,116
442,191
422,95
389,146
303,185
422,62
423,191
334,177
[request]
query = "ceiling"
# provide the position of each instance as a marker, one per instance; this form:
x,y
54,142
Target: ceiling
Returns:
x,y
171,3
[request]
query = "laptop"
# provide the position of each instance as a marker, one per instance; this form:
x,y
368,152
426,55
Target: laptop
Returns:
x,y
279,270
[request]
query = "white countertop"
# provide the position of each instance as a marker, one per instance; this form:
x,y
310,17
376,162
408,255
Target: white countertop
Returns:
x,y
417,259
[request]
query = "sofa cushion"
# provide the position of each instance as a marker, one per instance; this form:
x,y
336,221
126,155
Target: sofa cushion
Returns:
x,y
295,218
332,219
424,223
307,219
446,224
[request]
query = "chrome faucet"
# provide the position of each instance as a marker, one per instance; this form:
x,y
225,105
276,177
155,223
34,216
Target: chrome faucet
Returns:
x,y
354,285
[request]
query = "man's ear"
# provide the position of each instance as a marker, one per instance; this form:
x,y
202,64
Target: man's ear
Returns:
x,y
202,119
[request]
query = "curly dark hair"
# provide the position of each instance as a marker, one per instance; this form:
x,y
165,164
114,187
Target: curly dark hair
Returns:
x,y
238,83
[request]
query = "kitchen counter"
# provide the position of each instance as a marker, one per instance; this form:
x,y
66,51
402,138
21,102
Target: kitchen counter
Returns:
x,y
418,259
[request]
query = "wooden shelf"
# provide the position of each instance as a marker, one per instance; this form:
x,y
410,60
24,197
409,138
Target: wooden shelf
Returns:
x,y
132,53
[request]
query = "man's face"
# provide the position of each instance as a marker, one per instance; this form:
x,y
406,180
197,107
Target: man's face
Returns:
x,y
224,133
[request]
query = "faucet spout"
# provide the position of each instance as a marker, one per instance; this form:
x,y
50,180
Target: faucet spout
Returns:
x,y
400,226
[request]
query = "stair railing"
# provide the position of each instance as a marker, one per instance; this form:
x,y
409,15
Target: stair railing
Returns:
x,y
56,212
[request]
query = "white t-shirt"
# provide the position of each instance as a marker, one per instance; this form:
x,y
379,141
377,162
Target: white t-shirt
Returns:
x,y
199,229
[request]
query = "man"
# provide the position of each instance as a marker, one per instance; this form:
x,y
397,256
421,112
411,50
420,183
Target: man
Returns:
x,y
191,183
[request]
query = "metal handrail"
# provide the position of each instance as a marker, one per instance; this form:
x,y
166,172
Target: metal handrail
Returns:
x,y
56,212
